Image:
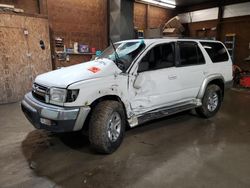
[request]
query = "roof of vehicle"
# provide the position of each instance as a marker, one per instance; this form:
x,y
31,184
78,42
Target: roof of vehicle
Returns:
x,y
168,39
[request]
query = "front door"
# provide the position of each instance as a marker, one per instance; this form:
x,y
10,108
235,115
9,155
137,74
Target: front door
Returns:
x,y
155,83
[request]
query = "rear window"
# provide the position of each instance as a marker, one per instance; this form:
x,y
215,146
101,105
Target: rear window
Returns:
x,y
216,51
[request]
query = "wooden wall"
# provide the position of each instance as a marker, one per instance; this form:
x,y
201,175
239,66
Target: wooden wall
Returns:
x,y
84,22
147,16
74,20
195,29
241,27
238,25
21,58
140,15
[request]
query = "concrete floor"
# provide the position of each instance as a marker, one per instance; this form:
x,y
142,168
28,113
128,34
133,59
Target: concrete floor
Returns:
x,y
179,151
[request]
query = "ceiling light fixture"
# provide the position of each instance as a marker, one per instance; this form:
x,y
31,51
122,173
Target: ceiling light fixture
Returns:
x,y
171,2
161,3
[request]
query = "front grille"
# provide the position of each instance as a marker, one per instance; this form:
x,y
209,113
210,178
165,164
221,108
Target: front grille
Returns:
x,y
39,92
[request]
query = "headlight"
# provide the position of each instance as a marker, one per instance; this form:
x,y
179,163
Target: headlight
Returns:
x,y
57,95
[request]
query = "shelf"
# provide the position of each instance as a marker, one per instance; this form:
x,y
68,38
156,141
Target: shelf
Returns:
x,y
70,53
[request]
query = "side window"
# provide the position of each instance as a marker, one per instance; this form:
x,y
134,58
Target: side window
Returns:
x,y
159,57
190,54
216,51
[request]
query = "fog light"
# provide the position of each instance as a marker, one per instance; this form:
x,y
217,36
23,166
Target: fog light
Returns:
x,y
46,121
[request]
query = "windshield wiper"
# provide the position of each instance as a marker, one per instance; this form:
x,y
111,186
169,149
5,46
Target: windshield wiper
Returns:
x,y
118,61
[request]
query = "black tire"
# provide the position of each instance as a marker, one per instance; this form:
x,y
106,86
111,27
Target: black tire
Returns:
x,y
99,127
204,110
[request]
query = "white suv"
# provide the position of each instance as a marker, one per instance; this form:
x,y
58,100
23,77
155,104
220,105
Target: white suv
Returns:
x,y
131,82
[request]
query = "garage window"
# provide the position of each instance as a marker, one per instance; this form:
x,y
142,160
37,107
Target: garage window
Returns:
x,y
216,51
190,54
159,57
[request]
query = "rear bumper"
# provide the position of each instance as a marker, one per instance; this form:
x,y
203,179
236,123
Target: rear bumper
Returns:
x,y
53,118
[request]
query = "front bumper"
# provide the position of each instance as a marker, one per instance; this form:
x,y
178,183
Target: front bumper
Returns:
x,y
61,119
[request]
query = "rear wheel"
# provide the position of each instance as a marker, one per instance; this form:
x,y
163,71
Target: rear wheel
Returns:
x,y
107,126
211,101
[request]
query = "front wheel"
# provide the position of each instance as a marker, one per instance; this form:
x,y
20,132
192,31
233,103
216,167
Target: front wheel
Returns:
x,y
211,101
107,126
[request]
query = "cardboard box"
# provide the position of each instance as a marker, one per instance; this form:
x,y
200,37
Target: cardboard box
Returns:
x,y
170,31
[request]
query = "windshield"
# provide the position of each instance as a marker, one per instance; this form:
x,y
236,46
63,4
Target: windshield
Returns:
x,y
126,53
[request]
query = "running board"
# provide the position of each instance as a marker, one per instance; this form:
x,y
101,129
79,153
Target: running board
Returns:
x,y
165,112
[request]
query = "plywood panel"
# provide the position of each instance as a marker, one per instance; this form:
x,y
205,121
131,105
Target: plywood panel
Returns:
x,y
21,58
199,15
235,10
10,69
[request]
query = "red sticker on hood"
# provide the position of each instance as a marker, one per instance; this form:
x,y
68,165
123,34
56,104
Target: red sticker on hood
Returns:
x,y
94,69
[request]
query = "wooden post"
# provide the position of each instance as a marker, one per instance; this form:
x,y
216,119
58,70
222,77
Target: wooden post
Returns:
x,y
147,16
42,7
220,17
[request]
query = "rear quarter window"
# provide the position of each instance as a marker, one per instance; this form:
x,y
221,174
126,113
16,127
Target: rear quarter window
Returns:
x,y
190,54
216,51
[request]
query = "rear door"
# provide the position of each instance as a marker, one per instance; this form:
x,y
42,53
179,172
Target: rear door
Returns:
x,y
191,68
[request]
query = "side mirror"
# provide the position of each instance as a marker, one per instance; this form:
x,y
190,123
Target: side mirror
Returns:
x,y
138,81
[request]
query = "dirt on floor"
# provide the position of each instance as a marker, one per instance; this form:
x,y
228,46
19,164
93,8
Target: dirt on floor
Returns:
x,y
178,151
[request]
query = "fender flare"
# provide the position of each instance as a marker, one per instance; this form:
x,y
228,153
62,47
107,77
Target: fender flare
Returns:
x,y
206,81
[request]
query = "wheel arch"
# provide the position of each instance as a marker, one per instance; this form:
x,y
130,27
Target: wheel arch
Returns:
x,y
97,101
107,97
216,79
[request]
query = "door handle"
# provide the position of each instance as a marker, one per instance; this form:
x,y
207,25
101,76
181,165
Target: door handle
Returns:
x,y
172,77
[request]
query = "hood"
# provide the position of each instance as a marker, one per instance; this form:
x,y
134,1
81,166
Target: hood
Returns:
x,y
84,71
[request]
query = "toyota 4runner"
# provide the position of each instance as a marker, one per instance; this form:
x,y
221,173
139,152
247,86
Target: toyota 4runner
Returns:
x,y
131,82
